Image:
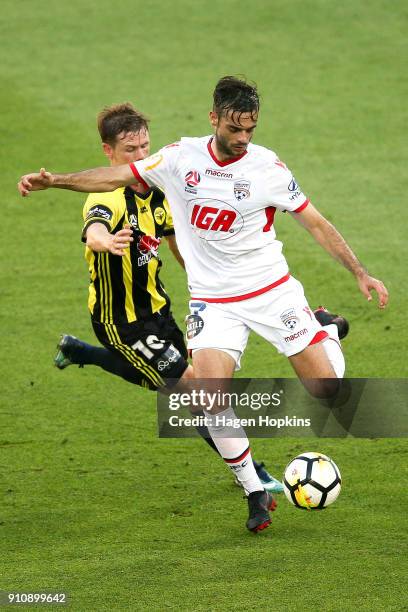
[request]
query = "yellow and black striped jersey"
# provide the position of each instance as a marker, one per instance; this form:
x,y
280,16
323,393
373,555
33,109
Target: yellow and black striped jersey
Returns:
x,y
126,289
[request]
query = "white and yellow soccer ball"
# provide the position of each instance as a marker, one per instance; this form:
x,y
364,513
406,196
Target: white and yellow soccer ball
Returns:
x,y
312,481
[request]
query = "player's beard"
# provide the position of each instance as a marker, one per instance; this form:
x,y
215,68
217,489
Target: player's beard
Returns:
x,y
224,147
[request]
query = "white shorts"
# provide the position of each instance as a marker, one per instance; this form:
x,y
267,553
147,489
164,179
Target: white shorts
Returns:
x,y
282,316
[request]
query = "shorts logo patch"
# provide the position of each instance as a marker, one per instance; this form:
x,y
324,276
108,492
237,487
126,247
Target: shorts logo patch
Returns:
x,y
195,323
289,318
171,355
241,190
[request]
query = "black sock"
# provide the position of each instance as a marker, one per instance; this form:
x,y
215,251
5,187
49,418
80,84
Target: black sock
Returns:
x,y
102,357
204,433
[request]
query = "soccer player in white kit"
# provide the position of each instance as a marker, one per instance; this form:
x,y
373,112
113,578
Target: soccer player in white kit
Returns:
x,y
224,193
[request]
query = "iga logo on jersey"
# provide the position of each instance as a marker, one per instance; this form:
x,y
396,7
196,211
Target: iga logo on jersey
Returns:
x,y
214,219
241,190
192,179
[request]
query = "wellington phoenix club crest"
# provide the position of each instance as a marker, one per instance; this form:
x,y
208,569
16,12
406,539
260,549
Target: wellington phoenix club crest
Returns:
x,y
289,318
241,189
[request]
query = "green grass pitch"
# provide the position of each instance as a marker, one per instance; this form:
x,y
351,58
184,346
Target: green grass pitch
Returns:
x,y
93,502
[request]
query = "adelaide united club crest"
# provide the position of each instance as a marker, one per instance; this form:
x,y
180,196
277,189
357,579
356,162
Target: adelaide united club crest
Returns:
x,y
241,189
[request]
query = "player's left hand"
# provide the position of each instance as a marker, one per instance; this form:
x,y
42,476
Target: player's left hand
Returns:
x,y
367,284
34,182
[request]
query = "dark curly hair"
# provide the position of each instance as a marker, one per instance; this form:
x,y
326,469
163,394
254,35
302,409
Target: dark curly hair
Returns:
x,y
236,95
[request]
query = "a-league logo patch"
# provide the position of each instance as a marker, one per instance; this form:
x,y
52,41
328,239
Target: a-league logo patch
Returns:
x,y
289,318
191,180
133,221
241,190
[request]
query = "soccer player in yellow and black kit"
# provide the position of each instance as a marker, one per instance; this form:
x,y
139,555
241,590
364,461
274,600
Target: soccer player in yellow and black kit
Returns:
x,y
130,309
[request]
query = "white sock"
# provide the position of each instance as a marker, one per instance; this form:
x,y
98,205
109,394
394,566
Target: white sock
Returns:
x,y
333,350
233,445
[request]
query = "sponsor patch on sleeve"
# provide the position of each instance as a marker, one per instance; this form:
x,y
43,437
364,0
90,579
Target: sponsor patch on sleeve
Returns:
x,y
99,211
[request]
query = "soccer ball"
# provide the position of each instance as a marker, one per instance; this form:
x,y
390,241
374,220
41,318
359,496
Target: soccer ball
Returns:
x,y
312,481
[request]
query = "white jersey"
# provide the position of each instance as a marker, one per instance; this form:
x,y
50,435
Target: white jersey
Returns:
x,y
223,215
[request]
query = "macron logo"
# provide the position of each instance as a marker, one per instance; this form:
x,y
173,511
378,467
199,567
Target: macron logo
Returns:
x,y
218,174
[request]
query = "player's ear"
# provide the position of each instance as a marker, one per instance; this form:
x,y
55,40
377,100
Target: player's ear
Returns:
x,y
213,118
107,149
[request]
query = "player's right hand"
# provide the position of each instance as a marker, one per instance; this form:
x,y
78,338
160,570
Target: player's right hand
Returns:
x,y
368,283
121,240
35,182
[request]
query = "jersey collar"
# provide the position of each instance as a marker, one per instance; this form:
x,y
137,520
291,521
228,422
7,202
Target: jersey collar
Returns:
x,y
141,196
226,162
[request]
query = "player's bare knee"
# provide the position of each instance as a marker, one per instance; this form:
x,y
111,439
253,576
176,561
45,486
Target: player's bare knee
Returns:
x,y
322,388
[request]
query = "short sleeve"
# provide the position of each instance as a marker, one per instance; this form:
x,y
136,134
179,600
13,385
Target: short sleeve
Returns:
x,y
101,208
283,191
168,229
154,171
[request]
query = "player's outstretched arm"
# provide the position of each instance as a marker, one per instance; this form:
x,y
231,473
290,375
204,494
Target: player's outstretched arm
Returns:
x,y
333,242
95,180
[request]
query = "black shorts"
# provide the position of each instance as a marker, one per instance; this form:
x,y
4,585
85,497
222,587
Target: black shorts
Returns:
x,y
155,348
